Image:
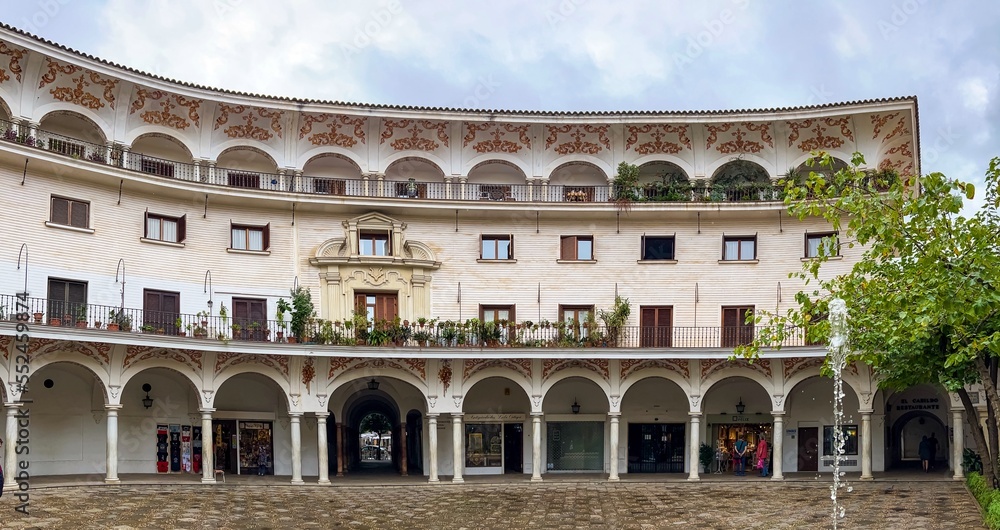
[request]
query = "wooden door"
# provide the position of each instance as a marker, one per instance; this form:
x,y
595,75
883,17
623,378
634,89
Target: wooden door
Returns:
x,y
808,449
656,325
377,306
160,309
735,330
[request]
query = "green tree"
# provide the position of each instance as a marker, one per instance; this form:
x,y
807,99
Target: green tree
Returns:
x,y
924,301
376,423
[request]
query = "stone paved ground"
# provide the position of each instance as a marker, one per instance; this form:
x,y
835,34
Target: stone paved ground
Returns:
x,y
626,505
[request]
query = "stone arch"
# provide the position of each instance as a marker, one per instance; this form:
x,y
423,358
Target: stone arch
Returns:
x,y
95,123
366,372
417,156
330,152
815,371
95,368
264,150
152,131
487,373
5,112
767,167
168,364
684,165
267,372
662,373
493,158
579,159
567,373
753,375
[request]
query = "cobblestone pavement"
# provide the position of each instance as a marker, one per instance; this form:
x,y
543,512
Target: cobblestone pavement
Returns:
x,y
631,505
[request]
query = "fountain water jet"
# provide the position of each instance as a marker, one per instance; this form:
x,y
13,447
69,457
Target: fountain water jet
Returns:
x,y
838,360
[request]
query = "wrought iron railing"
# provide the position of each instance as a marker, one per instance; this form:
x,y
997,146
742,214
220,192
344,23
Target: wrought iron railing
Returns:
x,y
359,332
319,185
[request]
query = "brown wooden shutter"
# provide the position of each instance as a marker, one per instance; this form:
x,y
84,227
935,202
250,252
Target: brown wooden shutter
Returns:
x,y
267,237
568,245
182,229
241,309
78,212
510,246
60,211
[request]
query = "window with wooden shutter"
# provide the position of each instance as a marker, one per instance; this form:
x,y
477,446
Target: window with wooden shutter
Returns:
x,y
250,315
735,329
377,306
256,238
656,326
577,248
69,212
165,228
67,300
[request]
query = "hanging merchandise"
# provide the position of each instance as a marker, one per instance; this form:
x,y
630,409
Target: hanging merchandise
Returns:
x,y
186,448
196,449
175,448
162,465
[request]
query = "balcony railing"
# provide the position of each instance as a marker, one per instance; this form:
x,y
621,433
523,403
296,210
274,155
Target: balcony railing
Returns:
x,y
317,185
425,333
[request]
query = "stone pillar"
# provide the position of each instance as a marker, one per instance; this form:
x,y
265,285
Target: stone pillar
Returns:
x,y
447,187
459,455
432,441
695,445
112,412
207,447
613,467
324,448
957,443
403,471
297,182
10,448
211,172
365,184
536,446
866,445
295,427
340,449
126,152
463,183
381,185
777,437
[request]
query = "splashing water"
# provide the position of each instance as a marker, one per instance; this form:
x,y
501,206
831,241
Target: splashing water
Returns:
x,y
838,360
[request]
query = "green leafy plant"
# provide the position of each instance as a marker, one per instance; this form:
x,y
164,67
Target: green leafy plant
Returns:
x,y
302,311
625,186
615,320
705,455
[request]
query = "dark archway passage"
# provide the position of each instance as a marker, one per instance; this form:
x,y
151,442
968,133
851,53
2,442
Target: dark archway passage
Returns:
x,y
374,402
905,436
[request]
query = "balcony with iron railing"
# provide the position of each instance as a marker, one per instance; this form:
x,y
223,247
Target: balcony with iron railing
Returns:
x,y
41,313
359,187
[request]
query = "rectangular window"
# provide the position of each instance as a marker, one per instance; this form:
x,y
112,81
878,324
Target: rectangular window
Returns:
x,y
850,440
70,212
658,248
250,315
825,243
160,310
163,228
156,167
496,313
575,317
67,300
377,306
243,180
577,248
735,330
739,248
497,247
374,243
251,237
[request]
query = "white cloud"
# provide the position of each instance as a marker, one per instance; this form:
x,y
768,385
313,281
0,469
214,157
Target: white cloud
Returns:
x,y
975,94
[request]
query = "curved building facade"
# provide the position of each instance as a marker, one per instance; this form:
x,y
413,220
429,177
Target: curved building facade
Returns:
x,y
460,264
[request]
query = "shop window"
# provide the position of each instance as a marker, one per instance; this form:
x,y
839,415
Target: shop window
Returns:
x,y
575,446
850,440
497,247
69,212
825,243
164,228
741,248
374,243
257,238
577,248
483,445
658,248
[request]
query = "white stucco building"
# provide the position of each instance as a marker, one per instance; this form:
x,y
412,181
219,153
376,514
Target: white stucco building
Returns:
x,y
135,199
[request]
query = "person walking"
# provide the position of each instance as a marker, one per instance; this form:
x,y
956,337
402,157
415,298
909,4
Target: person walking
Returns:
x,y
933,441
740,456
1,467
762,454
925,452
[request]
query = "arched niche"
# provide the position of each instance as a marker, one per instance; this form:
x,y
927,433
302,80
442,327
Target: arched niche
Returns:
x,y
71,133
809,410
163,146
332,173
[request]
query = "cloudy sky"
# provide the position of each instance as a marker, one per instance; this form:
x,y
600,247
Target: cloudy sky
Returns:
x,y
570,54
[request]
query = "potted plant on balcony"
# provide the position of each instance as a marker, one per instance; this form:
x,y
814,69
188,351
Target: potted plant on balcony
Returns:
x,y
615,320
302,312
283,307
237,332
55,321
422,337
118,319
147,328
81,317
200,331
179,327
37,315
